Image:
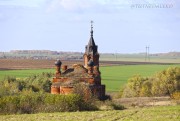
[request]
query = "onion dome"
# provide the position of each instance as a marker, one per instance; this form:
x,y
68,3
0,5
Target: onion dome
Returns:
x,y
58,62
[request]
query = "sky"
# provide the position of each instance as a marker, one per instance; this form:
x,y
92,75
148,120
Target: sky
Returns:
x,y
120,26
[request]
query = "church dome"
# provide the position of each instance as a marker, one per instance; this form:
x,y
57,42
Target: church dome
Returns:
x,y
58,62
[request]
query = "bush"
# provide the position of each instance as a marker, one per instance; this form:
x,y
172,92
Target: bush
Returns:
x,y
9,86
176,96
109,105
40,82
83,90
61,103
164,83
133,87
41,102
146,88
20,103
29,96
36,83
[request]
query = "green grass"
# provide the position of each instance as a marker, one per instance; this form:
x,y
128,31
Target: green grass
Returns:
x,y
162,113
114,77
22,73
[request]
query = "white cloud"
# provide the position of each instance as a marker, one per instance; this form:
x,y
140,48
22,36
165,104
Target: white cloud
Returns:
x,y
75,4
99,5
70,5
87,5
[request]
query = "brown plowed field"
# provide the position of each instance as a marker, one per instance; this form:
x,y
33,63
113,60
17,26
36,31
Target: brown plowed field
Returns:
x,y
6,64
31,64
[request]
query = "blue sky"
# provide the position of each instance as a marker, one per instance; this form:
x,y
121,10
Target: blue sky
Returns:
x,y
64,25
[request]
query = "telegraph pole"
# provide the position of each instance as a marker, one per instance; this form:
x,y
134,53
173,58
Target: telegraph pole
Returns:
x,y
147,55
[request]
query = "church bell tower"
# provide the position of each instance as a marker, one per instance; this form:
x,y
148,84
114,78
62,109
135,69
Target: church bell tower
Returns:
x,y
91,51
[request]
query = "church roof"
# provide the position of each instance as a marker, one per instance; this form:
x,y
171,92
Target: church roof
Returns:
x,y
77,71
91,48
74,75
91,42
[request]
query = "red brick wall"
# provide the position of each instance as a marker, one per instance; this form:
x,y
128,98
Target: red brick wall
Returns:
x,y
55,90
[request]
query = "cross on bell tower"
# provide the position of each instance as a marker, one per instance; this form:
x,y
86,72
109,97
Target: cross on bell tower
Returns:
x,y
91,28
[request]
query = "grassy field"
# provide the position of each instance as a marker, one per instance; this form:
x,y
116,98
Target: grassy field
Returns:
x,y
139,58
22,73
162,113
114,77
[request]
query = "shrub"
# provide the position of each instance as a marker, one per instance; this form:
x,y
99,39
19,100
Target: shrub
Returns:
x,y
128,92
176,96
9,79
109,105
20,103
42,102
62,102
166,82
162,84
29,96
36,83
146,88
117,106
83,90
133,87
9,86
40,82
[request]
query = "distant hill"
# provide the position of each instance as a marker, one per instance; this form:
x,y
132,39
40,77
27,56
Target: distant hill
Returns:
x,y
40,54
172,54
49,55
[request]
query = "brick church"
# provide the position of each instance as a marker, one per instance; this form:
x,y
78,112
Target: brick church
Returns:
x,y
66,78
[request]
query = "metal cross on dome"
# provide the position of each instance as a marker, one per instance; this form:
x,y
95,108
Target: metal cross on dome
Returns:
x,y
92,25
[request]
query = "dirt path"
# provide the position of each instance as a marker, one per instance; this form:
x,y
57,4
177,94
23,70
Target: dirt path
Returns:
x,y
145,101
